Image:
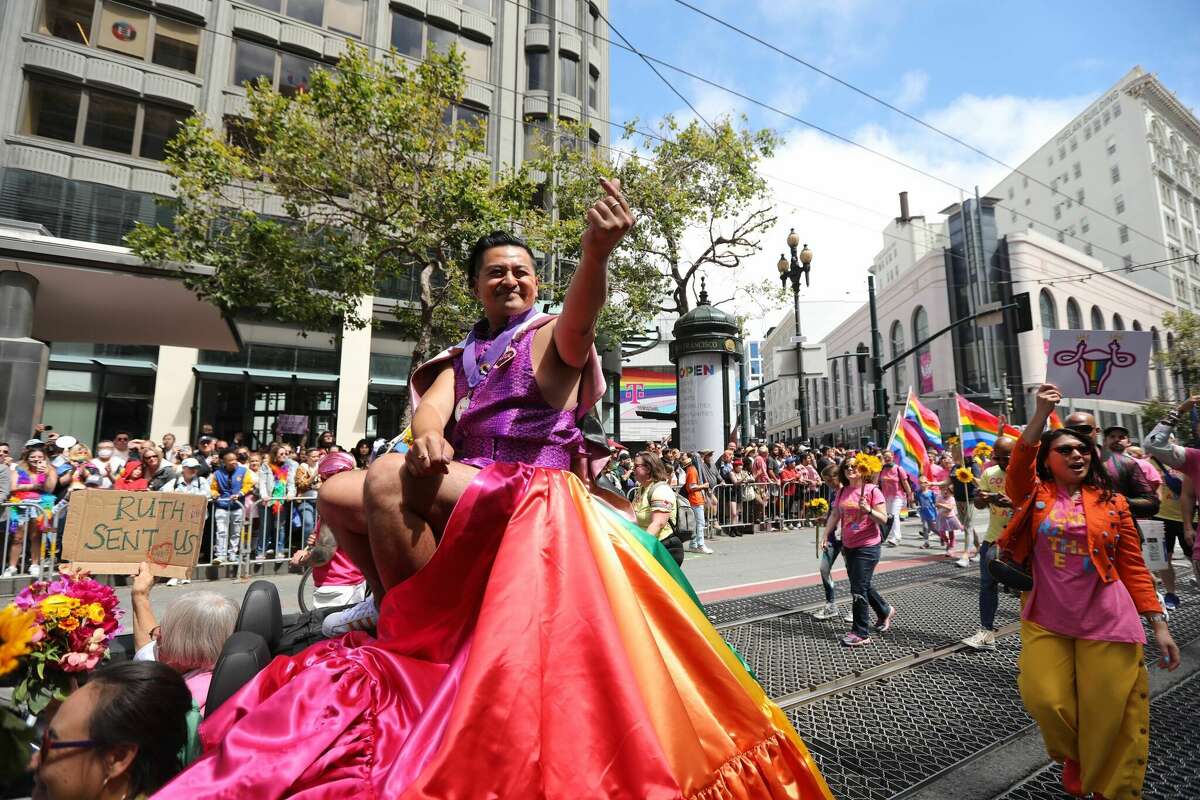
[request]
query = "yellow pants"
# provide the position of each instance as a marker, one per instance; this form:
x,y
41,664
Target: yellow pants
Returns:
x,y
1091,700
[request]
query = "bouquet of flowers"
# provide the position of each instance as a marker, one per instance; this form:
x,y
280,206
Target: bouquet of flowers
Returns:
x,y
16,633
982,452
73,620
867,465
819,506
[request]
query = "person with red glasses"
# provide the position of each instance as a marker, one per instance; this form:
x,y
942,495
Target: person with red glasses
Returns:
x,y
1076,536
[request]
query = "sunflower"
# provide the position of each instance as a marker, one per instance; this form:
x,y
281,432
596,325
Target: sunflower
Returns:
x,y
819,505
983,452
868,465
964,475
16,630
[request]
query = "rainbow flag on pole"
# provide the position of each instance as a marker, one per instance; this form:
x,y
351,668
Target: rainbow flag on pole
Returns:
x,y
976,425
909,446
927,421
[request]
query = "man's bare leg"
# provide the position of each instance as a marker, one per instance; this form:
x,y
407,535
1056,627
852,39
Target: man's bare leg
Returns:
x,y
340,504
405,516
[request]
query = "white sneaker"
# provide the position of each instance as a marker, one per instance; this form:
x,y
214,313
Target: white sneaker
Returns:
x,y
35,570
361,617
963,562
703,548
983,640
173,582
828,611
10,572
848,615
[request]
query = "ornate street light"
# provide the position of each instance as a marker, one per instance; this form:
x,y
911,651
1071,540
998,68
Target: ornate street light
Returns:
x,y
792,270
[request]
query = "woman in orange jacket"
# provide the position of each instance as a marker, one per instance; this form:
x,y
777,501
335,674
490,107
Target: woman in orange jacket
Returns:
x,y
1082,676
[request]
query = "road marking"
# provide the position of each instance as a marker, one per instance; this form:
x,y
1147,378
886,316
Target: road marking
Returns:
x,y
797,581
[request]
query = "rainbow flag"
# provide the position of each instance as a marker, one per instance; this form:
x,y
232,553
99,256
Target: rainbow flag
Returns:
x,y
908,444
1055,422
976,425
927,422
1010,430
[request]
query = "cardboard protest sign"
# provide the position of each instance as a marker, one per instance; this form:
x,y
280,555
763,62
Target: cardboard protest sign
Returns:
x,y
292,423
110,532
1108,365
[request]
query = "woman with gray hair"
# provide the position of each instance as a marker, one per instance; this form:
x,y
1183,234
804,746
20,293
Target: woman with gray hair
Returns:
x,y
190,638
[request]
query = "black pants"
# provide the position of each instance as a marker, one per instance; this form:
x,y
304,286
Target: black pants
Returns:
x,y
860,566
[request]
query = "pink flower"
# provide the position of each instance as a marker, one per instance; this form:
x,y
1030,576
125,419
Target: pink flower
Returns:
x,y
39,633
79,662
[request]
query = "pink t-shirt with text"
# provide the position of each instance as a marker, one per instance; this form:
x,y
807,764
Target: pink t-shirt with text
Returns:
x,y
1068,596
890,481
859,528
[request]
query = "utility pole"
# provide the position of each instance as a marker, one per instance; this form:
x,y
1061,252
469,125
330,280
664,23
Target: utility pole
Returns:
x,y
880,419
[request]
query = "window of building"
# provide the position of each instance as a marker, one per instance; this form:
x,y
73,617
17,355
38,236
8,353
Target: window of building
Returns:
x,y
1012,217
1115,173
479,5
897,343
1110,144
1083,224
1107,117
537,68
122,29
1189,237
1048,312
539,12
1061,236
1097,319
1168,194
537,132
1062,152
1074,147
1074,316
1054,186
1119,201
343,16
1058,210
477,58
594,15
1127,261
1171,225
408,35
286,72
1087,249
568,14
1116,110
1087,132
837,387
1079,197
415,38
438,39
1118,323
1180,290
99,119
1050,159
568,76
593,89
1077,170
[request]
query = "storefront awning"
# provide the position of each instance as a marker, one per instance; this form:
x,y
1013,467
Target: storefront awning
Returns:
x,y
389,384
108,362
264,375
102,294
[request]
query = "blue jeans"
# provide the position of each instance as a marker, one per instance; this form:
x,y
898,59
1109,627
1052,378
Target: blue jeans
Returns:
x,y
860,566
829,554
698,537
989,590
274,528
308,519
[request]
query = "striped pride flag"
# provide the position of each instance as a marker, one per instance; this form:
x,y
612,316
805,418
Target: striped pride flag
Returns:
x,y
927,421
1055,422
976,425
909,446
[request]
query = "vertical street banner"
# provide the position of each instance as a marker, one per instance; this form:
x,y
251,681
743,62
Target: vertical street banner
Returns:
x,y
701,402
1105,365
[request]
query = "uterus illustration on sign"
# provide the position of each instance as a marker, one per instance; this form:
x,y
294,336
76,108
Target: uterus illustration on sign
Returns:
x,y
1094,365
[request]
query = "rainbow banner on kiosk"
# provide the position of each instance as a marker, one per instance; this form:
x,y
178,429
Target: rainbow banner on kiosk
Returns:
x,y
927,421
647,389
976,425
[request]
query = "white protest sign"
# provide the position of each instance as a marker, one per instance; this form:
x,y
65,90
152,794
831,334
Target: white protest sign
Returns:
x,y
1109,365
1152,550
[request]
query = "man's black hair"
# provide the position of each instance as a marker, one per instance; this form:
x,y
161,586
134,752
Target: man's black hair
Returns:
x,y
227,451
485,243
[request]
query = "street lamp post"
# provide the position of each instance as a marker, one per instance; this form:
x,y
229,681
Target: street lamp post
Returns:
x,y
793,270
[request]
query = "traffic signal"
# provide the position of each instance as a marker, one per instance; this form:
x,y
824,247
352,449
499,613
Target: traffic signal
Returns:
x,y
861,358
1023,314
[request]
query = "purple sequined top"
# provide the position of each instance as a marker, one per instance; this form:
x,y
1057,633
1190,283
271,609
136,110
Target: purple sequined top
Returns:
x,y
507,418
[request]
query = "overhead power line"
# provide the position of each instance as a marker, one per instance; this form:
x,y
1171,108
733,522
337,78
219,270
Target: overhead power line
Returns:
x,y
912,117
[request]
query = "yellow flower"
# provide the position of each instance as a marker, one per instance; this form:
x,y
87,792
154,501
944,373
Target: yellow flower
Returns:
x,y
95,612
16,629
68,624
964,475
59,606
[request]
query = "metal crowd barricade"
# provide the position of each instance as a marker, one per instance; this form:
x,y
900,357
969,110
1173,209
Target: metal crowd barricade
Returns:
x,y
34,531
275,528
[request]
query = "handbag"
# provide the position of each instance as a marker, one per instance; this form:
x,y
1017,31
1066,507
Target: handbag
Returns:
x,y
748,494
1011,574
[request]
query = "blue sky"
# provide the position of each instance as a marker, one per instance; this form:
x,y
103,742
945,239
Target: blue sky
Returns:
x,y
1004,76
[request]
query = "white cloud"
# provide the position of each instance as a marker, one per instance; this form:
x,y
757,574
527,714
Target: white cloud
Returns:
x,y
846,236
912,88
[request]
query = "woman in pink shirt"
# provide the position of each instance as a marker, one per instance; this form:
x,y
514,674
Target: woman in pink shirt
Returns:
x,y
858,510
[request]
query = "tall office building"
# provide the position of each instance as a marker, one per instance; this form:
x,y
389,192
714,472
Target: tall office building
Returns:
x,y
91,91
1121,183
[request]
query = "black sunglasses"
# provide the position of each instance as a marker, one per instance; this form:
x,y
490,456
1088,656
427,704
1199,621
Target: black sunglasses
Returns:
x,y
1066,450
1086,430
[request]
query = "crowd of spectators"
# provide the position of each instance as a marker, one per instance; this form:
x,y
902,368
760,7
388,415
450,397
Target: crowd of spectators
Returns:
x,y
272,489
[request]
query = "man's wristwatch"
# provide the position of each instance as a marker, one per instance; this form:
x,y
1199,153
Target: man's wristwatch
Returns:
x,y
1156,617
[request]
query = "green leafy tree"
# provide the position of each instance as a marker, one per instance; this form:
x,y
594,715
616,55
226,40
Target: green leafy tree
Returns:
x,y
701,205
1183,356
369,184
